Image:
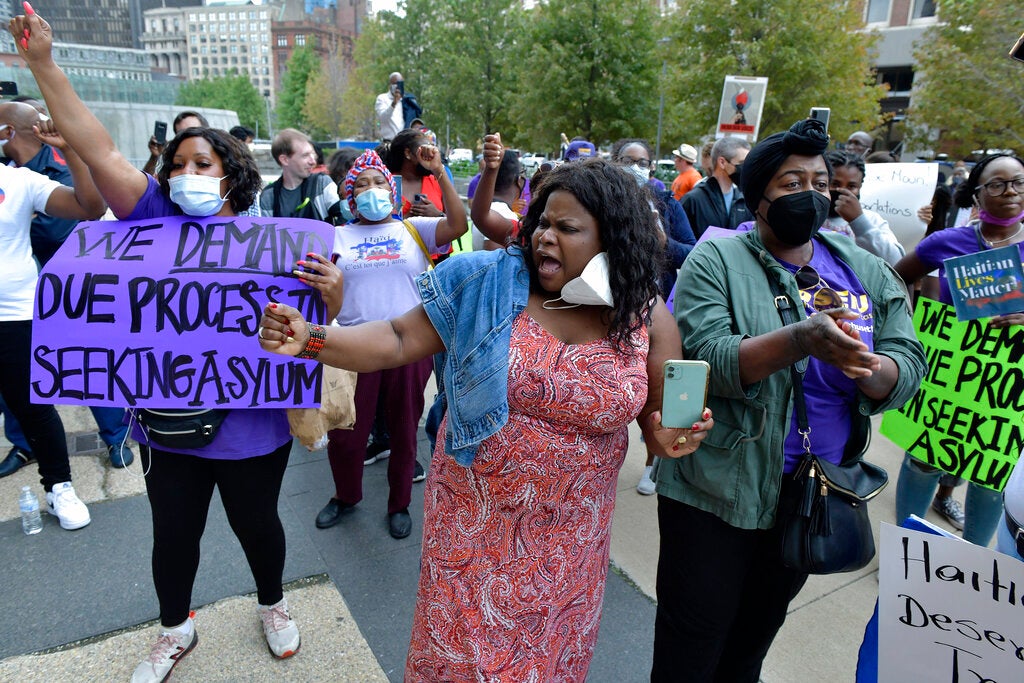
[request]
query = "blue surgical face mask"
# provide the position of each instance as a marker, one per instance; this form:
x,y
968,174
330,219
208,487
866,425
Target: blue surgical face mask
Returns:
x,y
197,195
374,204
346,213
641,175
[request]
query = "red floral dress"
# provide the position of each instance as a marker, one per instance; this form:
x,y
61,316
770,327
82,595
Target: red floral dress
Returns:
x,y
515,548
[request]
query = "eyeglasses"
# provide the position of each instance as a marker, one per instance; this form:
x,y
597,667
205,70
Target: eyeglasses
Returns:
x,y
824,298
630,161
995,188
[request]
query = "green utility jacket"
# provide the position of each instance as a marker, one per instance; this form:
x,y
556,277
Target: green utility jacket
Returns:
x,y
722,297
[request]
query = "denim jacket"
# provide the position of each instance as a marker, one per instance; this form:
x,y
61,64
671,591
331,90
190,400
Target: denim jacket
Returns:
x,y
723,297
472,301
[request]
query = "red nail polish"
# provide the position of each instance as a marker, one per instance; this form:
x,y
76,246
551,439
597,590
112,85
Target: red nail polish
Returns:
x,y
300,263
695,427
273,305
675,448
310,255
706,414
289,333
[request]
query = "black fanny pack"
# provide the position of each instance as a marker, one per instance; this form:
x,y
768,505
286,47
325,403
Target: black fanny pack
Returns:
x,y
181,428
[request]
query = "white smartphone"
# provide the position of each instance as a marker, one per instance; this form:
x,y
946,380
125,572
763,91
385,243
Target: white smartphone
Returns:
x,y
684,393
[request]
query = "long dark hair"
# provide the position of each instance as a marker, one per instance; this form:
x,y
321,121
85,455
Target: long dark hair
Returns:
x,y
239,166
628,232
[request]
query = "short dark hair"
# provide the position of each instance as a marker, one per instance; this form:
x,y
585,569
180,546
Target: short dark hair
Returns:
x,y
405,139
340,161
239,166
242,133
509,170
619,145
185,114
627,228
841,159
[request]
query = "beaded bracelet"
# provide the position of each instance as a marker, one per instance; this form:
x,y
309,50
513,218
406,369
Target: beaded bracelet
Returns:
x,y
315,343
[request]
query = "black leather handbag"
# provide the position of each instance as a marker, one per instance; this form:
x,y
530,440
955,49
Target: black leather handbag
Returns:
x,y
829,530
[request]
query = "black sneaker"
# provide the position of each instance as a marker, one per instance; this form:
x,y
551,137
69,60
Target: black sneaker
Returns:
x,y
418,474
376,451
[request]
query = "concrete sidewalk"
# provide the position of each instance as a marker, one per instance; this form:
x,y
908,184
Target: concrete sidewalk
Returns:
x,y
85,598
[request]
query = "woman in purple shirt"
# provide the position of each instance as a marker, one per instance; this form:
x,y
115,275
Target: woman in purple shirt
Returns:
x,y
204,172
996,185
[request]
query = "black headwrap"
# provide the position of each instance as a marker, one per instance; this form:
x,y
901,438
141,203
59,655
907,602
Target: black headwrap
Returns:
x,y
807,138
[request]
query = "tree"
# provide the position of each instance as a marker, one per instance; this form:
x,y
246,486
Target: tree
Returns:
x,y
813,52
325,91
234,92
302,64
588,69
968,92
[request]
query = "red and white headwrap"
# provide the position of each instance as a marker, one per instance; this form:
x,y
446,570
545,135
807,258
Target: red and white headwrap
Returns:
x,y
366,160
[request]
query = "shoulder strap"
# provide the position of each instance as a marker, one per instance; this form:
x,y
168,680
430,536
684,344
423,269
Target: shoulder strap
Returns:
x,y
785,308
419,240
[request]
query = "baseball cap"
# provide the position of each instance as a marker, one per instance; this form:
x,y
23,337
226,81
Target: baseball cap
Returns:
x,y
686,152
579,149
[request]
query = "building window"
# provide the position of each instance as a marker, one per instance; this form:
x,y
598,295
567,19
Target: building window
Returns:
x,y
923,9
898,78
878,11
300,39
282,41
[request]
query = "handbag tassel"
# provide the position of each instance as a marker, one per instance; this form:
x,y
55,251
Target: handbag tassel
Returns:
x,y
821,522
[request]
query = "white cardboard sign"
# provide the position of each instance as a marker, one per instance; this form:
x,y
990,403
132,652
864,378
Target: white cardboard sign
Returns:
x,y
896,192
948,611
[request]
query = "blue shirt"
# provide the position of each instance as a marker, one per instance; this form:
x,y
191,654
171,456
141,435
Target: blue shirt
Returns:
x,y
472,302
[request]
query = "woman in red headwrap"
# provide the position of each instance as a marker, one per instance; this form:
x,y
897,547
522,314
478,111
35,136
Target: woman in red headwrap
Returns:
x,y
380,257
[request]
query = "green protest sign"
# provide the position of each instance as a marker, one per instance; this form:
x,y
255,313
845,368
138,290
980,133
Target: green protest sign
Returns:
x,y
968,416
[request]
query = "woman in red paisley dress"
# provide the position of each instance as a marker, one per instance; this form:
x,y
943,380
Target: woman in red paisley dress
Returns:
x,y
551,348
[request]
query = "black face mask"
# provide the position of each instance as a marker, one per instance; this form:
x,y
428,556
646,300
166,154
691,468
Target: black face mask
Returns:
x,y
832,204
735,175
795,218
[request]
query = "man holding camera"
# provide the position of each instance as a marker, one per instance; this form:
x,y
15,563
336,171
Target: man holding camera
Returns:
x,y
394,107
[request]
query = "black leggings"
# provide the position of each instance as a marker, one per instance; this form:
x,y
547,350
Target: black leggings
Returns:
x,y
723,593
180,488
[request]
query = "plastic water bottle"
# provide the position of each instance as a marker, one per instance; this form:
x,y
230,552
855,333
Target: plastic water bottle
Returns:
x,y
31,522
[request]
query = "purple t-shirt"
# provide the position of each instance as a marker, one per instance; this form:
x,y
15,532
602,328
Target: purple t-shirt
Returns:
x,y
830,395
944,244
244,433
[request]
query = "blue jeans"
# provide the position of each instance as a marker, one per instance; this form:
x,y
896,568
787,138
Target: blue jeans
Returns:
x,y
916,488
1005,543
109,420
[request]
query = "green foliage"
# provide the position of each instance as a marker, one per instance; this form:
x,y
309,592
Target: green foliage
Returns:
x,y
464,169
234,92
589,69
813,52
325,90
302,65
368,77
968,93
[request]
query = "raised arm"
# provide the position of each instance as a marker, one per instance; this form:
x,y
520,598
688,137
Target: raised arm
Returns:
x,y
368,347
120,183
493,225
453,225
82,201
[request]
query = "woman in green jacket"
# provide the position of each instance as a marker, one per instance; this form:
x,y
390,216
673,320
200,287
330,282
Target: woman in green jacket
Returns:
x,y
723,590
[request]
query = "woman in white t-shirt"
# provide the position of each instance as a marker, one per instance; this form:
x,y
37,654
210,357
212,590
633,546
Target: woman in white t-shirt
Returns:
x,y
380,257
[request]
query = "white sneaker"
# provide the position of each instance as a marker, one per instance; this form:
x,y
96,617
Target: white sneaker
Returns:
x,y
646,487
169,649
65,505
281,632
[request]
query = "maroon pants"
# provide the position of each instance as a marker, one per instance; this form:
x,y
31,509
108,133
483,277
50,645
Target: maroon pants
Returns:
x,y
401,391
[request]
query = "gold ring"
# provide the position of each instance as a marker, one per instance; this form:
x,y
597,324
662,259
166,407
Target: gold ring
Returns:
x,y
289,339
682,440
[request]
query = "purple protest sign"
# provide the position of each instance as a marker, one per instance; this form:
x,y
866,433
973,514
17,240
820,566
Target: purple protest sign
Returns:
x,y
164,313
